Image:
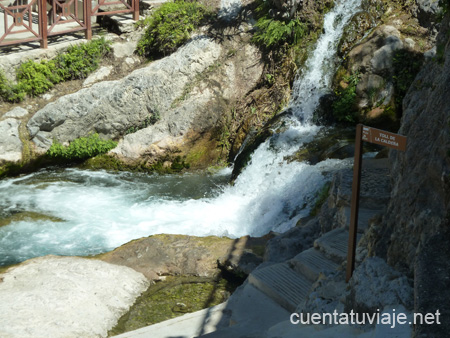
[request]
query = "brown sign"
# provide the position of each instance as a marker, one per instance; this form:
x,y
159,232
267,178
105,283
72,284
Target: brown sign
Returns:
x,y
384,138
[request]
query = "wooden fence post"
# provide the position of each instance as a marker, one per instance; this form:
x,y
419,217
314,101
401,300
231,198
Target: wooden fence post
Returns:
x,y
43,23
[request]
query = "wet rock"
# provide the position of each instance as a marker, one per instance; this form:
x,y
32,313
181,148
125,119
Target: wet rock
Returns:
x,y
10,144
287,245
66,297
163,255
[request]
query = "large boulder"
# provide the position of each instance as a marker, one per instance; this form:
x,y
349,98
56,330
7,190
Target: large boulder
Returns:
x,y
66,297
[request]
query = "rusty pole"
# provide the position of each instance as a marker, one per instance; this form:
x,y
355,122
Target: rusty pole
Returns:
x,y
355,203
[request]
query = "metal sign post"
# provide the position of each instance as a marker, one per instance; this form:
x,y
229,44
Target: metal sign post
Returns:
x,y
372,135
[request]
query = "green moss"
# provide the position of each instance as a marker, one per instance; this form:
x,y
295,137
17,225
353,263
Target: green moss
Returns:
x,y
172,298
322,196
28,216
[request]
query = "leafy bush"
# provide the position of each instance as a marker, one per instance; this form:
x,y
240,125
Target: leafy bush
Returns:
x,y
273,33
344,109
81,148
35,78
80,60
170,26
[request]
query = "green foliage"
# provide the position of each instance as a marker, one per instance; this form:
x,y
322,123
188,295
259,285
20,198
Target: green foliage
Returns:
x,y
272,33
80,60
169,27
445,5
148,121
344,109
81,148
35,78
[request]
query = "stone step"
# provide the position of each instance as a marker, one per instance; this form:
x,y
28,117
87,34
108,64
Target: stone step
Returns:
x,y
310,263
334,244
282,284
364,215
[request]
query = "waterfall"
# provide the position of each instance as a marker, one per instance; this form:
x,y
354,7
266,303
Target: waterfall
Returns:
x,y
80,212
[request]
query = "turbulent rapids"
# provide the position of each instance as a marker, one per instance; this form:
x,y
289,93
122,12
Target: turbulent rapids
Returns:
x,y
80,212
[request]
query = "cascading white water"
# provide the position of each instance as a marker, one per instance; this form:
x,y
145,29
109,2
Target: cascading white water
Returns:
x,y
79,212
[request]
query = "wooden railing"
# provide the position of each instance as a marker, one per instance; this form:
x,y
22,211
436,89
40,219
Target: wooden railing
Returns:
x,y
36,20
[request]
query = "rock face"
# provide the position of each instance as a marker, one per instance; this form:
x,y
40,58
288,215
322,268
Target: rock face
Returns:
x,y
184,93
66,297
420,176
111,107
10,143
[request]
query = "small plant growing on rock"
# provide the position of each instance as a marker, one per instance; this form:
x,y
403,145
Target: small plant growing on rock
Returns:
x,y
169,27
344,107
81,148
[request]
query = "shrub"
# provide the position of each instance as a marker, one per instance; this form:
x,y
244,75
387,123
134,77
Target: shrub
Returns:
x,y
272,33
169,27
344,109
81,148
35,78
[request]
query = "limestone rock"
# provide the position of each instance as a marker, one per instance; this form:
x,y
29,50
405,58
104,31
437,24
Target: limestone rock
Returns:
x,y
110,107
17,112
10,144
432,284
287,245
66,297
421,175
99,75
375,284
162,255
428,12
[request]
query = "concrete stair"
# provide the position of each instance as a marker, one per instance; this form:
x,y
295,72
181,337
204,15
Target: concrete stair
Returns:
x,y
364,217
281,283
310,263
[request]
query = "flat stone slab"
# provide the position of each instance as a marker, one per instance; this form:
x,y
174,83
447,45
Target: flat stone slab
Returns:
x,y
282,284
310,263
364,216
334,244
